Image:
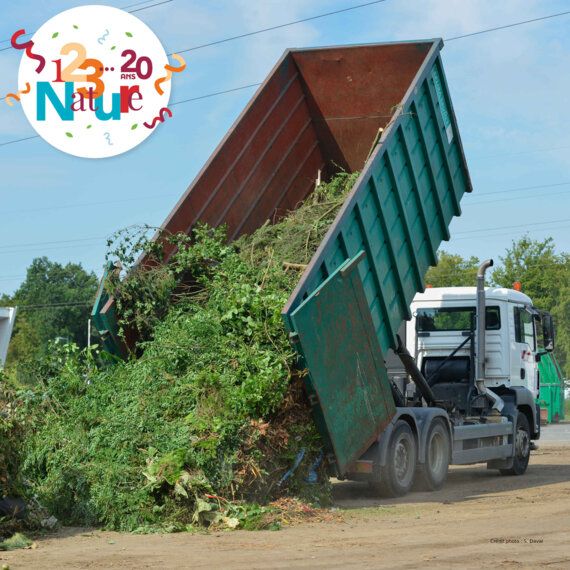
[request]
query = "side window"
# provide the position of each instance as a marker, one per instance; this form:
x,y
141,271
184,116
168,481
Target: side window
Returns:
x,y
492,318
455,319
524,327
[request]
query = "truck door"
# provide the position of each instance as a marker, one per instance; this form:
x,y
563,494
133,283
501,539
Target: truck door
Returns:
x,y
346,375
524,370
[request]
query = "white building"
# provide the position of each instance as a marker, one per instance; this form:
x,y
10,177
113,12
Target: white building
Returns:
x,y
7,317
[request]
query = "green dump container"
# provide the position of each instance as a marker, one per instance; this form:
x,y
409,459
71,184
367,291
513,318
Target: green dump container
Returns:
x,y
551,396
356,291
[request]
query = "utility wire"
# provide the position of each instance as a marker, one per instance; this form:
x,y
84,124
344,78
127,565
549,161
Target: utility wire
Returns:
x,y
482,230
170,105
147,7
471,197
460,233
214,94
50,242
20,140
90,204
516,233
533,196
124,8
442,273
546,264
534,151
55,305
248,34
507,26
522,188
290,24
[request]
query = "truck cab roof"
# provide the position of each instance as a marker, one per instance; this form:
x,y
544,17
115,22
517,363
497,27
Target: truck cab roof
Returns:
x,y
436,294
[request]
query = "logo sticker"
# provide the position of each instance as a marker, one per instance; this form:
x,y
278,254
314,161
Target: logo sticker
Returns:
x,y
94,81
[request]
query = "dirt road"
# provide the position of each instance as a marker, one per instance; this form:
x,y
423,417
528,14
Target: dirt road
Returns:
x,y
478,519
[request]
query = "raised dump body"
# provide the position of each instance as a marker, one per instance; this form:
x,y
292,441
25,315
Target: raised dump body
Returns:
x,y
383,109
320,109
355,293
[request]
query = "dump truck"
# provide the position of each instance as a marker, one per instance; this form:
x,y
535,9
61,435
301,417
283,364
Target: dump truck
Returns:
x,y
384,110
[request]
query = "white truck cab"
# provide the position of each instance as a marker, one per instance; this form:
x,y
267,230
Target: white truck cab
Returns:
x,y
443,320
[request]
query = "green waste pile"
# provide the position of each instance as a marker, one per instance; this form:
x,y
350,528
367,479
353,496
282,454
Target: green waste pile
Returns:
x,y
210,415
11,432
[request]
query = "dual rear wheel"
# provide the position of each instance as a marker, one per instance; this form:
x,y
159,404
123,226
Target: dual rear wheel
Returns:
x,y
397,476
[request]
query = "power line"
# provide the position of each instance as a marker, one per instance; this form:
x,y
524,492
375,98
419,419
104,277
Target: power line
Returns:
x,y
90,204
137,4
534,151
216,93
170,195
518,198
507,26
124,8
20,140
170,105
217,42
147,7
462,234
251,33
487,235
481,230
520,189
55,305
546,264
50,242
290,24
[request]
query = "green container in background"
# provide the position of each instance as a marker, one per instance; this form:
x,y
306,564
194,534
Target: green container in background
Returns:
x,y
551,395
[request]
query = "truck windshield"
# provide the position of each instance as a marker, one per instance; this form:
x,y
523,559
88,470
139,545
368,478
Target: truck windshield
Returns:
x,y
454,319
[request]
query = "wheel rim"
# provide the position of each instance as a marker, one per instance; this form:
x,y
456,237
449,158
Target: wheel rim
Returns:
x,y
522,443
436,451
402,459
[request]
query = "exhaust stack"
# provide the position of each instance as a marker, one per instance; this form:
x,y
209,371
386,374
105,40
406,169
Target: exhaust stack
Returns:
x,y
497,402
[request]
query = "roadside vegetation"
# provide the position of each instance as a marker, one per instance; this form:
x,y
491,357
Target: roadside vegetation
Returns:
x,y
206,423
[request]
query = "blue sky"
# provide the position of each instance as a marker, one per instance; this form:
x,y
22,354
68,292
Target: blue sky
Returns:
x,y
509,89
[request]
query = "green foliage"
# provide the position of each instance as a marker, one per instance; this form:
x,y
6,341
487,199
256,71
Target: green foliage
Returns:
x,y
561,313
539,269
296,238
11,436
15,542
545,277
210,415
452,271
54,301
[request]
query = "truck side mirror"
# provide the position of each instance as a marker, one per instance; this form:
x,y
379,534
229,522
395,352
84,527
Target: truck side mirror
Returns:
x,y
548,331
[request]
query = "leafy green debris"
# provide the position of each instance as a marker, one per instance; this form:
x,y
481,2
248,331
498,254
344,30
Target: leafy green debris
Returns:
x,y
199,427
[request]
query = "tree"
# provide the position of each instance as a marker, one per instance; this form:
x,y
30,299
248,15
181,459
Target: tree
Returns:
x,y
544,276
452,271
561,313
54,301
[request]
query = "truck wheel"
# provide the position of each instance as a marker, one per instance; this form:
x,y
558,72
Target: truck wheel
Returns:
x,y
432,474
397,476
522,447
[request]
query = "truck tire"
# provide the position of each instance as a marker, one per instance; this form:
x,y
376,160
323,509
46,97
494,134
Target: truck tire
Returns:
x,y
431,475
522,447
397,476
